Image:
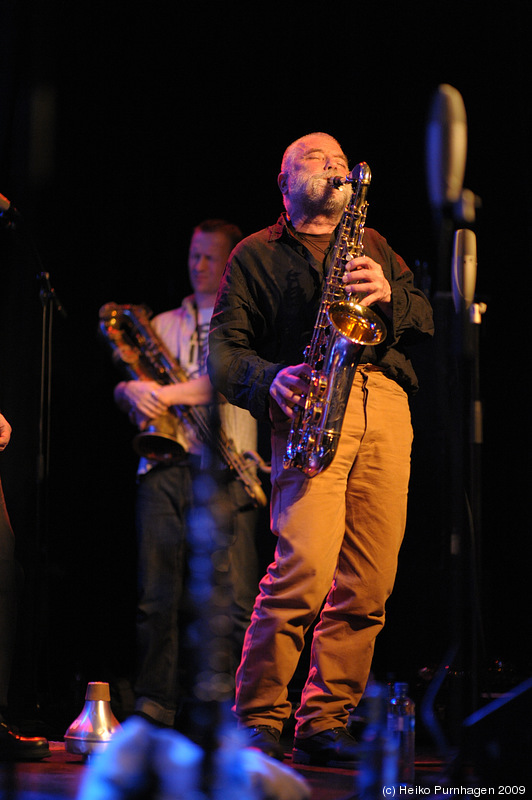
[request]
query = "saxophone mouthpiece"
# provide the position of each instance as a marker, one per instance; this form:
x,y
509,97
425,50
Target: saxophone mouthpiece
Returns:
x,y
337,182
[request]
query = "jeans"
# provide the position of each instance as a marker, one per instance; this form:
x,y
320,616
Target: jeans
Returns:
x,y
163,504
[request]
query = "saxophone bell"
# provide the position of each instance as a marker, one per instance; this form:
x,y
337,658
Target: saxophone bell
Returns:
x,y
159,440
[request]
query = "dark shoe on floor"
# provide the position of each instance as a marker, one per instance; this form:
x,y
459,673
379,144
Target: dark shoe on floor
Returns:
x,y
266,739
14,747
332,748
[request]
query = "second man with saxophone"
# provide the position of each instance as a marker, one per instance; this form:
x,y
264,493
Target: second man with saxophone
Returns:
x,y
339,533
164,490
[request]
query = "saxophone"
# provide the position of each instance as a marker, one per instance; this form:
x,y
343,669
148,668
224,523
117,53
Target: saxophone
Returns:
x,y
343,328
140,353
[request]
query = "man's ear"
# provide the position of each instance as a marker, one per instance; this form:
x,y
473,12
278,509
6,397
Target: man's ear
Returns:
x,y
282,182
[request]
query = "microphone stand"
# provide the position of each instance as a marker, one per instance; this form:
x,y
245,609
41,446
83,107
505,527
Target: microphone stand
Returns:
x,y
459,415
39,606
450,436
49,302
461,418
12,219
469,320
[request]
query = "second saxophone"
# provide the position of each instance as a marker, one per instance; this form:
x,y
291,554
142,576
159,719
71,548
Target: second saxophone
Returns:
x,y
141,354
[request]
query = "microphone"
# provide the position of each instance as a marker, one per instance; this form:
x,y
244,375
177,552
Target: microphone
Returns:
x,y
446,147
464,269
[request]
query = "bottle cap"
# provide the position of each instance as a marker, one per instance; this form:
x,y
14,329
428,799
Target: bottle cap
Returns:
x,y
400,687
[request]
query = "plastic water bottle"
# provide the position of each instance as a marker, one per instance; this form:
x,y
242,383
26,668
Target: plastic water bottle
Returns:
x,y
378,751
402,726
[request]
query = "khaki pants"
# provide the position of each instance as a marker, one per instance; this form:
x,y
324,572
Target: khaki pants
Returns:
x,y
339,535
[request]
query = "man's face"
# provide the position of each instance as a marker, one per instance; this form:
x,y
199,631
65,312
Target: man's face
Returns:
x,y
207,256
305,184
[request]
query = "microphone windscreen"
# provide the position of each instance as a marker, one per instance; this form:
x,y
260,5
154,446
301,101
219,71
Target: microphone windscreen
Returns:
x,y
446,147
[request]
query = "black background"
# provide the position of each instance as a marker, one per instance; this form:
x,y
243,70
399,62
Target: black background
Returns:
x,y
120,130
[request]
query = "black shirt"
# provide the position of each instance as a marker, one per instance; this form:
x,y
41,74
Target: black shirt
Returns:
x,y
267,306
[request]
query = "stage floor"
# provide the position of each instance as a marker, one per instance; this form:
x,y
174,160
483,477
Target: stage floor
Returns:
x,y
60,776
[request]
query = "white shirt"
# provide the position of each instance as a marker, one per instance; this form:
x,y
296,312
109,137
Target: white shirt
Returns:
x,y
184,331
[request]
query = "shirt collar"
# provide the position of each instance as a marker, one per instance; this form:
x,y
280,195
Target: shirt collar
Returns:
x,y
280,229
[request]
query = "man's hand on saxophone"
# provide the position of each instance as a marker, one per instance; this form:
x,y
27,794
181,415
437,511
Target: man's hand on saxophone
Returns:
x,y
364,276
146,400
289,388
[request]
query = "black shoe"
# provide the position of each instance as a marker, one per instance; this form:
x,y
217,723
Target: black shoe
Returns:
x,y
332,748
266,739
14,747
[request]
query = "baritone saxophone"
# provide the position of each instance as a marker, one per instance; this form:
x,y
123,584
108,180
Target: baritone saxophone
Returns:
x,y
343,329
141,355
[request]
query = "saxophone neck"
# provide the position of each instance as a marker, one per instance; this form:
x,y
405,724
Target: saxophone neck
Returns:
x,y
360,175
